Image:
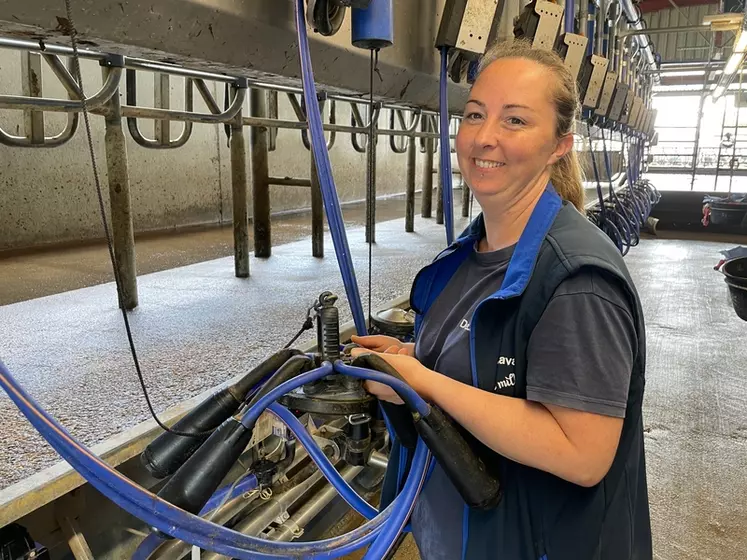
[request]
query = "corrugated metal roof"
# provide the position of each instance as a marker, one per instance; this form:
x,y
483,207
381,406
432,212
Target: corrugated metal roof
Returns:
x,y
681,47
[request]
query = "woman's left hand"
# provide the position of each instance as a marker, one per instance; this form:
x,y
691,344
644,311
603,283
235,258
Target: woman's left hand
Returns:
x,y
411,370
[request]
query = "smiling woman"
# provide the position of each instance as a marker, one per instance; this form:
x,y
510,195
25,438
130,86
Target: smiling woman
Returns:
x,y
530,335
522,131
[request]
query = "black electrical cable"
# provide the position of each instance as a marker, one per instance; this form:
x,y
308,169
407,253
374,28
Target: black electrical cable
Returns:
x,y
117,278
373,67
308,324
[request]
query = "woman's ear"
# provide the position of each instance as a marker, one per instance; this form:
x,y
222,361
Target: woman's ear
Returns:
x,y
565,145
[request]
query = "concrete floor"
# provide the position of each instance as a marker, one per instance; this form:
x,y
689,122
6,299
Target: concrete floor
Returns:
x,y
59,269
198,325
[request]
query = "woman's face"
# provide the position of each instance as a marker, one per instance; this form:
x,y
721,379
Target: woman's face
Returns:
x,y
507,137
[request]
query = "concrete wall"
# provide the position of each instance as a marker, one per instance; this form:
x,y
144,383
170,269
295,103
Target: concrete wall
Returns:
x,y
48,195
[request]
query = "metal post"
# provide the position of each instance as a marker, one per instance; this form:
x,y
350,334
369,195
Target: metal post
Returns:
x,y
703,94
440,198
738,103
162,100
317,210
31,82
260,177
427,202
123,236
240,198
410,200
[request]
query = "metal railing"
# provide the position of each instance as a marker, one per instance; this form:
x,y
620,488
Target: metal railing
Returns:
x,y
264,125
263,121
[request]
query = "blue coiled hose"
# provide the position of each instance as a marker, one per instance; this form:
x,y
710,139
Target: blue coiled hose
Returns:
x,y
625,220
194,530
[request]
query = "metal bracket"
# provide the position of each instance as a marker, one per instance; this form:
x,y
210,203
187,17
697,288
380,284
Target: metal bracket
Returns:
x,y
592,79
650,126
428,125
618,102
610,81
300,111
635,114
466,24
357,120
645,114
628,108
549,24
573,49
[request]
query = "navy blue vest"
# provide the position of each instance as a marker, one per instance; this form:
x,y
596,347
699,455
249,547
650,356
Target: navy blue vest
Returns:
x,y
540,515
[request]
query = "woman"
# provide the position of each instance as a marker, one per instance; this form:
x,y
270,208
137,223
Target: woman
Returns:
x,y
530,336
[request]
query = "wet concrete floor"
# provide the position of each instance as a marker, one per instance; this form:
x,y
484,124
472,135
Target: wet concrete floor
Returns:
x,y
198,325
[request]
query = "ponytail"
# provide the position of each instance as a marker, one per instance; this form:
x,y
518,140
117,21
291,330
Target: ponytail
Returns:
x,y
566,178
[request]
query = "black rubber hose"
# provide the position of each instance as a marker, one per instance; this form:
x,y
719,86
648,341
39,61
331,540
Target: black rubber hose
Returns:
x,y
290,369
479,488
399,416
198,478
169,451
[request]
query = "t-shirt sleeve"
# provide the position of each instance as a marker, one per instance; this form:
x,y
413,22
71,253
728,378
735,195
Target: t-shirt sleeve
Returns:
x,y
581,352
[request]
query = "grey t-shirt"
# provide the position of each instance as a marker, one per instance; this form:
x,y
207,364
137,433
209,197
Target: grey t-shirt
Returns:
x,y
580,356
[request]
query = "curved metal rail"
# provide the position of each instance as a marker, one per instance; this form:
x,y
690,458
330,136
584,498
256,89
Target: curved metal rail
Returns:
x,y
134,129
407,129
96,101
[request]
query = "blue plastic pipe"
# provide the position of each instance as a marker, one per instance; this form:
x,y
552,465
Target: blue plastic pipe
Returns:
x,y
569,15
326,181
325,466
446,191
590,27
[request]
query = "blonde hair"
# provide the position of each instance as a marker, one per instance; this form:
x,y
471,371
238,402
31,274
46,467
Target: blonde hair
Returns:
x,y
566,172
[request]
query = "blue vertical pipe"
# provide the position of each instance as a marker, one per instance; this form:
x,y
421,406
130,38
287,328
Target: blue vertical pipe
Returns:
x,y
590,25
570,6
446,148
373,27
605,41
326,181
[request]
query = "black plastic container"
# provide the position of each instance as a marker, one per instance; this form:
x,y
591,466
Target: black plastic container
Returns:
x,y
735,271
729,214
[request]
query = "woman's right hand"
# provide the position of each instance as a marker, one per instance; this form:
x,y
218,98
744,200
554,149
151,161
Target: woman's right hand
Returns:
x,y
383,344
